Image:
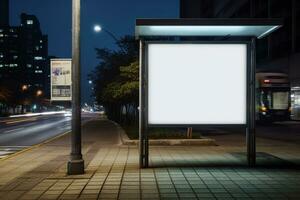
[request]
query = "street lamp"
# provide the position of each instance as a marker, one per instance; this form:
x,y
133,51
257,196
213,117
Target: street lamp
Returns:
x,y
24,87
39,93
98,29
76,163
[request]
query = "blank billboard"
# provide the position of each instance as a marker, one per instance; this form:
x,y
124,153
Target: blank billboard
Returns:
x,y
196,84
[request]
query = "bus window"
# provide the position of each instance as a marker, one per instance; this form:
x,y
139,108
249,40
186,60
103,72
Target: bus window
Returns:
x,y
280,100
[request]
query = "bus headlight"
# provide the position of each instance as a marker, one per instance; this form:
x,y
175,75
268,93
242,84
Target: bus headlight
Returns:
x,y
263,109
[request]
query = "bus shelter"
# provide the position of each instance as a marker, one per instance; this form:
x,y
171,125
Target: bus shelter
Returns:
x,y
199,73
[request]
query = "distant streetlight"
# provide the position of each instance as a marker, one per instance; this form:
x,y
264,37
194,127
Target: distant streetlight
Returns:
x,y
24,87
39,93
90,82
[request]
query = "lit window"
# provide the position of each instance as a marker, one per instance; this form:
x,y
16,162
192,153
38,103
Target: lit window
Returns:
x,y
15,57
11,30
29,65
38,71
41,41
1,35
1,65
38,58
29,22
1,30
1,55
37,48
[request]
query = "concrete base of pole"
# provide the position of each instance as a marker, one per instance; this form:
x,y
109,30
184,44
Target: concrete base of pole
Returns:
x,y
75,167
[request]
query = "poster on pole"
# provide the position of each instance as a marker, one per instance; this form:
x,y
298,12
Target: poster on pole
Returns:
x,y
61,80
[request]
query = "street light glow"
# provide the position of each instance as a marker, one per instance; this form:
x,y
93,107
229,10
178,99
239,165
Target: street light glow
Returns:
x,y
39,93
24,87
97,28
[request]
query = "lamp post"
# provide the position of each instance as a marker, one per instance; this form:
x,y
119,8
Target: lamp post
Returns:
x,y
98,28
76,163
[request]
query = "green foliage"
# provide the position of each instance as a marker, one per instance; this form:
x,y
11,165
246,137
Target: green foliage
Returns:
x,y
116,78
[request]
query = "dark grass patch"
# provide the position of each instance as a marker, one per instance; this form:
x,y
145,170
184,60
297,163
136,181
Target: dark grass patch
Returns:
x,y
161,133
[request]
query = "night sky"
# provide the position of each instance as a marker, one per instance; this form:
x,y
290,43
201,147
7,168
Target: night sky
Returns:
x,y
118,16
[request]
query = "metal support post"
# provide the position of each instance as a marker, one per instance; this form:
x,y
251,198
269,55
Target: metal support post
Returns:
x,y
251,137
76,163
143,130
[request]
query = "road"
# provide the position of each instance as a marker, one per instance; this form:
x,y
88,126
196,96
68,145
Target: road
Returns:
x,y
22,132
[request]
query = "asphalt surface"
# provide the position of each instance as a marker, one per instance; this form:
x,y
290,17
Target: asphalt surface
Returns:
x,y
22,132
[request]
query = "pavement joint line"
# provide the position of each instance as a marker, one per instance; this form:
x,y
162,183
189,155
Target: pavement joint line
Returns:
x,y
107,173
123,173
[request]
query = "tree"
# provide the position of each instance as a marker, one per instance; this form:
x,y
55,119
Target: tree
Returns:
x,y
116,80
4,94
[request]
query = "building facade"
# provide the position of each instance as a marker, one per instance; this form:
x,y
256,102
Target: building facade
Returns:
x,y
24,63
4,13
278,52
24,53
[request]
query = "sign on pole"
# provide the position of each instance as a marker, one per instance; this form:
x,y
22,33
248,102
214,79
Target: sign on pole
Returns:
x,y
61,81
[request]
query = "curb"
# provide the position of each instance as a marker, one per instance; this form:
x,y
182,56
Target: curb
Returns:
x,y
123,136
165,142
176,142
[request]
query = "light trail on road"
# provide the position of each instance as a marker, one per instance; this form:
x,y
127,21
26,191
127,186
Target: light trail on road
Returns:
x,y
19,133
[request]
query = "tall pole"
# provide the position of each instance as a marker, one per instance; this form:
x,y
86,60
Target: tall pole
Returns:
x,y
141,110
76,163
251,135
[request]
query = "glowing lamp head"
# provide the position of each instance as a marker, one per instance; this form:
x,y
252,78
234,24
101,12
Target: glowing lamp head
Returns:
x,y
263,109
39,93
97,28
24,87
267,81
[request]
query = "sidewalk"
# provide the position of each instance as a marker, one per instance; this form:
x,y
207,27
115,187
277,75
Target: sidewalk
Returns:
x,y
187,172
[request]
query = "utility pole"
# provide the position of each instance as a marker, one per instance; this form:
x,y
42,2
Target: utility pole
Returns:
x,y
76,163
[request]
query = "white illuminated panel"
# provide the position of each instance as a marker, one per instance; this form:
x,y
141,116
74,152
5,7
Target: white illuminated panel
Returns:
x,y
197,84
255,30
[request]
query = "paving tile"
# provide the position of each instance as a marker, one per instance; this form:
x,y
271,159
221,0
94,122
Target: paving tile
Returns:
x,y
113,173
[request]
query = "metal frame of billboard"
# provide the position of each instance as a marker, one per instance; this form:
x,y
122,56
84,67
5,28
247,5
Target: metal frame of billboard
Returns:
x,y
146,96
250,99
